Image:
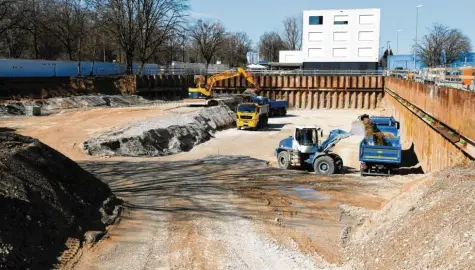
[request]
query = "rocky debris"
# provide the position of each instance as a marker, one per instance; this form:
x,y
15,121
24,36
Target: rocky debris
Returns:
x,y
430,225
92,237
45,198
54,105
162,136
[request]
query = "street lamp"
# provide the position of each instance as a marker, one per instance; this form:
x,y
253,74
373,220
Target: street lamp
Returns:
x,y
417,24
397,42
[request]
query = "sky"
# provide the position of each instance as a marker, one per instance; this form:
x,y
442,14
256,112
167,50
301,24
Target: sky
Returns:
x,y
255,17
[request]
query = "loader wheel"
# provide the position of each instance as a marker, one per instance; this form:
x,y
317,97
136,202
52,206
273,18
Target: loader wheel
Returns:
x,y
238,128
324,165
284,160
338,164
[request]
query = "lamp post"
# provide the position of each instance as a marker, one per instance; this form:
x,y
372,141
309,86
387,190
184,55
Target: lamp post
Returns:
x,y
417,24
397,41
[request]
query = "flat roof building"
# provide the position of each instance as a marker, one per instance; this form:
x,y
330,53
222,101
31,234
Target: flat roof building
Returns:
x,y
338,40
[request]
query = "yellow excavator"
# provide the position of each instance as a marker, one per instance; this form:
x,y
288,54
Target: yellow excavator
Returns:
x,y
203,94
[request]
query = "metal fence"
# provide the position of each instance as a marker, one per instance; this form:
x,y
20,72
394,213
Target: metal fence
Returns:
x,y
459,78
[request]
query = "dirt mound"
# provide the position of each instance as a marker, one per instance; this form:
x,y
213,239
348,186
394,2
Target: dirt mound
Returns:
x,y
431,225
45,198
54,105
162,136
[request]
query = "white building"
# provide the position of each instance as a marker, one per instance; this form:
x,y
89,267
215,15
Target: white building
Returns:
x,y
338,39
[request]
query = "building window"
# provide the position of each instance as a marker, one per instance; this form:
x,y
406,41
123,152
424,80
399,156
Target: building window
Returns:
x,y
315,36
366,19
365,52
315,52
340,36
366,36
340,19
315,20
340,52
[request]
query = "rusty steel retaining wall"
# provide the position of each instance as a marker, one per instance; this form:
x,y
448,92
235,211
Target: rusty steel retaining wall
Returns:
x,y
455,108
322,99
167,87
290,82
438,145
434,151
314,92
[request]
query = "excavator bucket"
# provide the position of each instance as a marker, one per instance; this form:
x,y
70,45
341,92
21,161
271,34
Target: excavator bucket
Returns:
x,y
357,128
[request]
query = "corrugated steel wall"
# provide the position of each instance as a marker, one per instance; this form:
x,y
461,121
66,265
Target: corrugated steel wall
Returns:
x,y
164,86
314,92
433,150
455,108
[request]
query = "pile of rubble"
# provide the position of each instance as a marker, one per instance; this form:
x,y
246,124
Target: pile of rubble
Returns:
x,y
46,199
430,225
162,136
54,105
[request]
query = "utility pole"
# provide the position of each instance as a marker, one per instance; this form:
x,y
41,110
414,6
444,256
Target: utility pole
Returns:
x,y
417,25
397,42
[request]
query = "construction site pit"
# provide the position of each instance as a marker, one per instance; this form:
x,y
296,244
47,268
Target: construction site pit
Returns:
x,y
199,194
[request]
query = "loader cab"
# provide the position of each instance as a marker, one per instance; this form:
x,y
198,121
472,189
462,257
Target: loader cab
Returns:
x,y
306,138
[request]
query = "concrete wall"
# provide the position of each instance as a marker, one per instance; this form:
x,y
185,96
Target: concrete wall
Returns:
x,y
290,57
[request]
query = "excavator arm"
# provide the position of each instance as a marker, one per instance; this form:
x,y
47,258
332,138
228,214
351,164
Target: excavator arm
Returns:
x,y
208,89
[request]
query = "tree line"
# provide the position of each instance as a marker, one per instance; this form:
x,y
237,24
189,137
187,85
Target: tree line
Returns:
x,y
155,31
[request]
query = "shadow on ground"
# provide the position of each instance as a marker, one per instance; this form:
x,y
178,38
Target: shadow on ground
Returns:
x,y
409,162
205,187
5,129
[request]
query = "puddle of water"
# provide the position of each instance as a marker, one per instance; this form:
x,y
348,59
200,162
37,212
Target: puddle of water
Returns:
x,y
308,194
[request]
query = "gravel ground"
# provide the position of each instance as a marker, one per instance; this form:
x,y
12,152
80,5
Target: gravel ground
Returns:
x,y
184,218
430,225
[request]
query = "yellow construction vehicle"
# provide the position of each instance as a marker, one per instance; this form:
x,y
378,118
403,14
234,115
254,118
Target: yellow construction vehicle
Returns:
x,y
203,94
252,115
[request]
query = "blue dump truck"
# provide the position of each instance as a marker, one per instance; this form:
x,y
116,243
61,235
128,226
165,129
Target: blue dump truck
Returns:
x,y
276,107
381,159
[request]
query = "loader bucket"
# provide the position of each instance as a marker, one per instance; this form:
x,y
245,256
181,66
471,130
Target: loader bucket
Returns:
x,y
357,128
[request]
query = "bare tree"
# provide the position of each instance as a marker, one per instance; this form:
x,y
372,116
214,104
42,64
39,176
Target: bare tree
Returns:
x,y
292,33
10,14
158,21
234,48
66,22
207,38
441,38
269,46
141,27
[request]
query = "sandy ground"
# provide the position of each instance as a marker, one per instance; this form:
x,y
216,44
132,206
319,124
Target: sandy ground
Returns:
x,y
225,213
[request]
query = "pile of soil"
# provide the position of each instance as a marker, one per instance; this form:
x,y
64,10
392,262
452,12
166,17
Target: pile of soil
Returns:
x,y
371,131
46,198
430,225
55,105
162,136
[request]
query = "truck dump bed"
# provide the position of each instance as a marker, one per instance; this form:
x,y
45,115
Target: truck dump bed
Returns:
x,y
390,152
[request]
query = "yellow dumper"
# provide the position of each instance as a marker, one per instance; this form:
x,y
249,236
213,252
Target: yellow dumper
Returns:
x,y
252,115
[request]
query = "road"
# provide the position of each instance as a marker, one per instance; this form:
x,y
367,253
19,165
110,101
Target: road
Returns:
x,y
193,212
